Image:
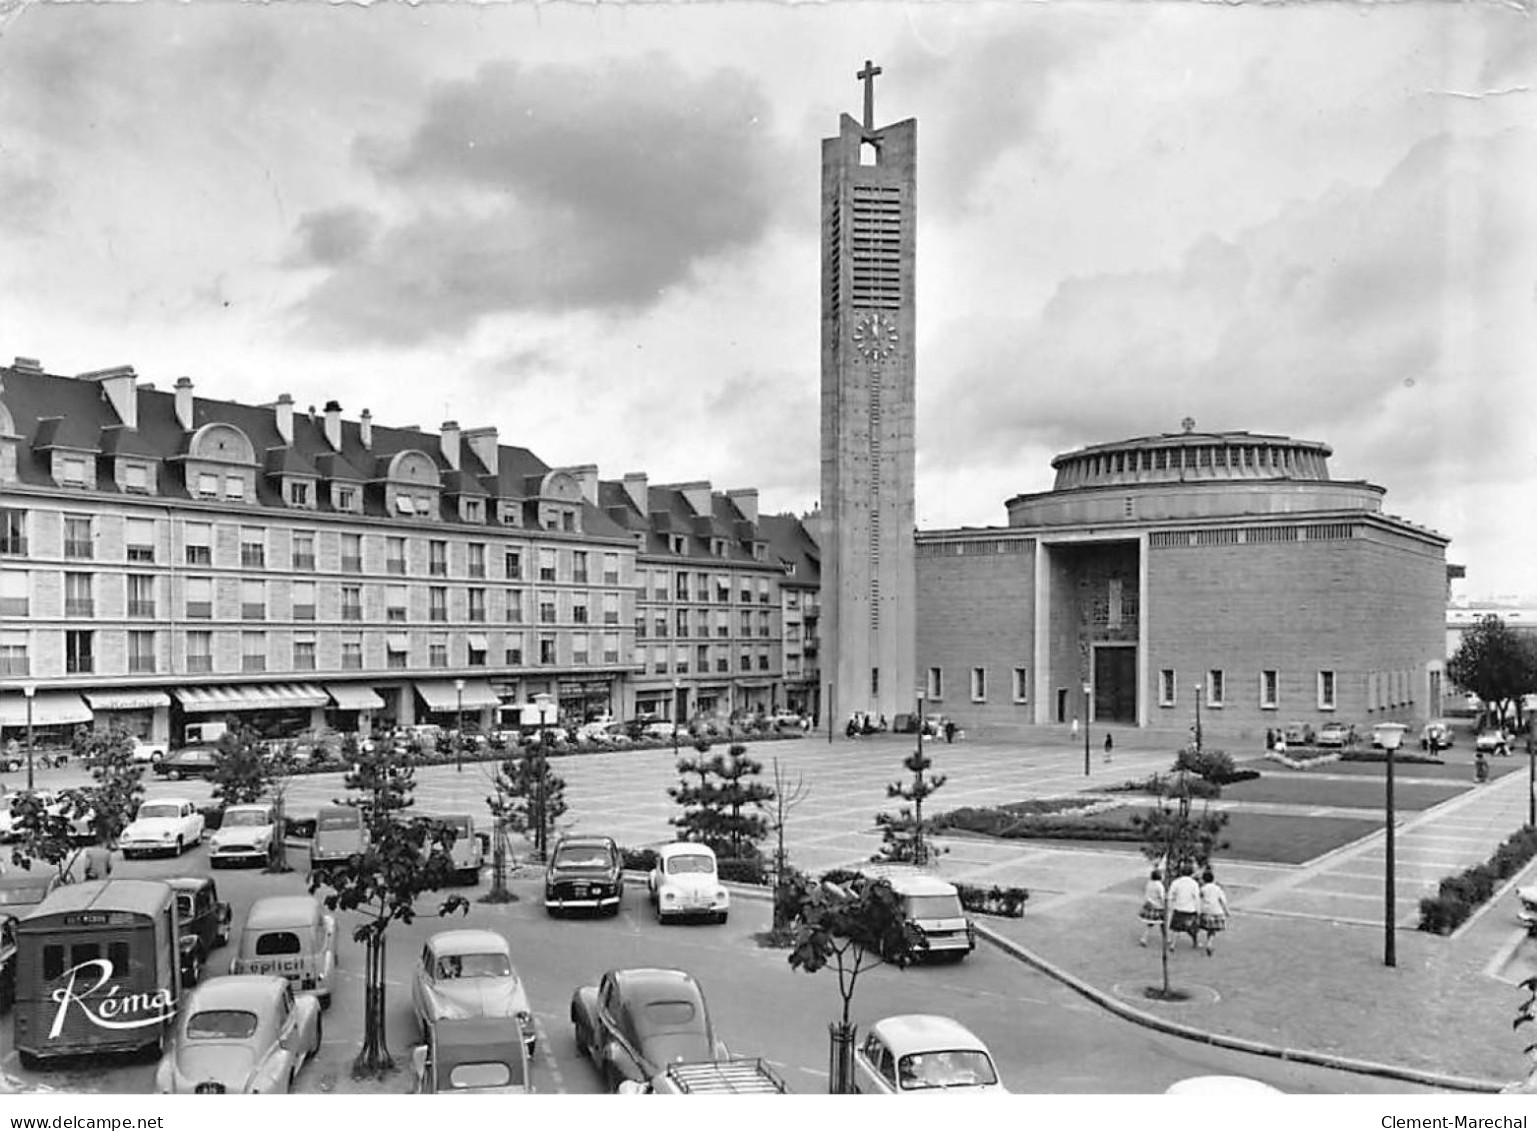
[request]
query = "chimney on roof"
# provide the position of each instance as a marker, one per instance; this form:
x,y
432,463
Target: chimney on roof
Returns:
x,y
586,476
333,424
746,500
184,403
283,415
698,497
28,365
366,429
483,442
448,441
120,386
635,486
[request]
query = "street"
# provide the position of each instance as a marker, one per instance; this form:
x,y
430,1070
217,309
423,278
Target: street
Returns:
x,y
1044,1037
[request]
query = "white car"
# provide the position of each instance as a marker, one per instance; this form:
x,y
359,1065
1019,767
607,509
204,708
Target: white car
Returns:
x,y
686,882
247,833
145,750
166,824
240,1035
468,974
920,1052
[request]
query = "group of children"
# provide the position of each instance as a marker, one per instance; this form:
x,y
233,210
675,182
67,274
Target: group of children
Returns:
x,y
1191,906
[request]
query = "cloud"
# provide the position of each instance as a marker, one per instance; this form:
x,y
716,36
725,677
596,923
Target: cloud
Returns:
x,y
549,188
1387,321
334,237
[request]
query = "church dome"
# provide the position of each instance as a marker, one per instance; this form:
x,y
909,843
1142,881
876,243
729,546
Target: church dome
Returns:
x,y
1192,457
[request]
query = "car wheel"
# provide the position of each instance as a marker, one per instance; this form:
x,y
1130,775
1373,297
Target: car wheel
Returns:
x,y
180,846
175,775
720,916
30,1062
320,1036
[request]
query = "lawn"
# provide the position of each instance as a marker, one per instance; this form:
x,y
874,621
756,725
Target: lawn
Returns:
x,y
1362,793
1460,771
1258,837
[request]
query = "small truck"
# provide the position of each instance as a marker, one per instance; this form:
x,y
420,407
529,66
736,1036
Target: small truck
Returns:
x,y
737,1076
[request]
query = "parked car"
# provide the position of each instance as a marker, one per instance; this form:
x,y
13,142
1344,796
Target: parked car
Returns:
x,y
1493,741
291,936
247,834
469,973
202,914
633,1023
1526,912
1437,735
1388,736
1298,734
685,882
22,889
923,1053
165,824
663,728
584,873
189,762
240,1034
470,1056
339,833
145,750
10,811
1221,1087
469,848
1332,734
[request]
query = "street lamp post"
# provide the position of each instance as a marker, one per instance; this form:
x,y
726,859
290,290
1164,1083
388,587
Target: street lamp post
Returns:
x,y
459,727
676,687
1390,742
1531,773
1088,690
29,691
920,724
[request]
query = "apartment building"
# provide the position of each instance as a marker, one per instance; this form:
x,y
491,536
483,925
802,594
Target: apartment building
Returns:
x,y
166,558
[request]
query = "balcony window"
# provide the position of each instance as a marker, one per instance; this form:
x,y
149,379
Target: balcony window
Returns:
x,y
77,537
546,612
253,557
477,564
352,553
477,605
199,544
437,654
199,665
514,563
13,532
437,558
140,539
610,569
579,612
437,604
13,654
395,555
547,650
546,565
15,594
352,655
514,606
141,652
579,567
78,652
304,655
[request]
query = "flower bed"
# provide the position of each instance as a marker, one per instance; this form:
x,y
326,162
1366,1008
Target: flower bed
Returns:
x,y
1458,896
1303,758
1402,757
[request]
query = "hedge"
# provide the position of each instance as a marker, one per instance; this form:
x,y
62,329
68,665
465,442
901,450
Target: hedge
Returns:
x,y
1458,896
1401,757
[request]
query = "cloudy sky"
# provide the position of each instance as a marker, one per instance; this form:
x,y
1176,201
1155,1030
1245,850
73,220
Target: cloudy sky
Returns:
x,y
595,227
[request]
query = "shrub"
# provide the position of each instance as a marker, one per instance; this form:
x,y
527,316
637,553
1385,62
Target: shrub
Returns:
x,y
1400,758
300,828
746,870
1007,902
1212,765
638,859
1459,895
213,816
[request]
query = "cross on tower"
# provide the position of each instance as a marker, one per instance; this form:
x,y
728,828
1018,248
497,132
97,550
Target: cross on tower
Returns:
x,y
867,76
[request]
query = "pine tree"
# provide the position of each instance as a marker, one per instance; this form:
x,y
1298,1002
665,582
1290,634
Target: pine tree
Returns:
x,y
903,834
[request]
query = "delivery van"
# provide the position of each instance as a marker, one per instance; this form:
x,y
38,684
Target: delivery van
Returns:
x,y
293,937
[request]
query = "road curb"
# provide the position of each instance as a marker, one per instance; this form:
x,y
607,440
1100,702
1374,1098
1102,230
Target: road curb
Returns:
x,y
1239,1044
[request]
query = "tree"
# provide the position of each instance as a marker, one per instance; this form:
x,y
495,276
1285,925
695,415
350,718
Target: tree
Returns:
x,y
851,927
1174,839
903,834
1496,663
1526,1014
405,858
737,830
786,798
118,786
697,821
241,774
530,797
49,834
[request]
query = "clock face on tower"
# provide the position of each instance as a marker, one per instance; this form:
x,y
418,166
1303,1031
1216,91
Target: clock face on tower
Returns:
x,y
875,336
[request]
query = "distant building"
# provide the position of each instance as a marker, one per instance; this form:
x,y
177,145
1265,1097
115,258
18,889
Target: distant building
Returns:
x,y
167,559
1221,568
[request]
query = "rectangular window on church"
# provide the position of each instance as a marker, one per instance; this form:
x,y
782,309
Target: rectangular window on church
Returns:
x,y
979,685
1216,690
1021,685
1269,689
936,683
1326,691
875,682
1166,687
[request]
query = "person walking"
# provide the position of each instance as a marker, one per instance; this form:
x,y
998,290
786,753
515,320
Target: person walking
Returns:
x,y
1185,907
1151,912
949,732
1213,908
1109,747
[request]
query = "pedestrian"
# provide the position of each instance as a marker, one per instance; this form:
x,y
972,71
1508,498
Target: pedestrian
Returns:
x,y
1213,908
1269,738
949,732
1151,912
1109,747
1185,907
1075,726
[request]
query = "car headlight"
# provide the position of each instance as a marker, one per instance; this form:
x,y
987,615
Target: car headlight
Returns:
x,y
669,896
721,895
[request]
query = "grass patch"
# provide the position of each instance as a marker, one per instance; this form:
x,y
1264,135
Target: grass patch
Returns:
x,y
1366,793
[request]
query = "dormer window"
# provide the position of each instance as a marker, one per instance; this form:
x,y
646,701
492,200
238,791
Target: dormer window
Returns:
x,y
718,547
510,512
676,543
472,510
345,498
136,478
72,471
759,551
404,504
234,486
208,485
300,494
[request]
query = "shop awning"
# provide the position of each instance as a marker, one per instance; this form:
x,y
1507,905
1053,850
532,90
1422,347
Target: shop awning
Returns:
x,y
49,708
476,642
251,697
127,699
398,641
354,697
441,694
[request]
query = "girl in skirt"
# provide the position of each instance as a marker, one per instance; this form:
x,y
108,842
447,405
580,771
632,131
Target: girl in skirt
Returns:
x,y
1152,905
1213,907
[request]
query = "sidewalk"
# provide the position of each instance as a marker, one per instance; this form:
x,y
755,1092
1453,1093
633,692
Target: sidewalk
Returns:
x,y
1293,979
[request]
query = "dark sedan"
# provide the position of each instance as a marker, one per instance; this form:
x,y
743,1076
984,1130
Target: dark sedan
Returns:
x,y
585,873
634,1023
189,762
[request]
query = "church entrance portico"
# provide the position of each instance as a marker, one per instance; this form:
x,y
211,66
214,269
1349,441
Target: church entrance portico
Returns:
x,y
1115,683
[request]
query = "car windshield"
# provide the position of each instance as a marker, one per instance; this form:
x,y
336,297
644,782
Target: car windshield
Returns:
x,y
343,820
277,942
149,811
661,1016
19,892
184,906
958,1068
481,1074
248,818
691,862
220,1025
582,857
473,966
946,906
